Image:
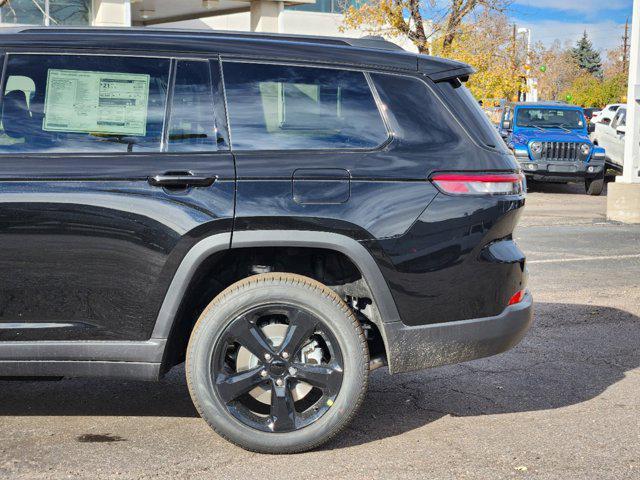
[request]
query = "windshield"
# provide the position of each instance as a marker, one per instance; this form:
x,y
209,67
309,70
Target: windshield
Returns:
x,y
550,118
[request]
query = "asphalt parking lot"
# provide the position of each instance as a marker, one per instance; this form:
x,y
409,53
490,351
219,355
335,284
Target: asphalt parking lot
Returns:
x,y
563,404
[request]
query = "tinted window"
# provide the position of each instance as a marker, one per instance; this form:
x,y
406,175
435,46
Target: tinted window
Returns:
x,y
82,103
278,107
549,118
468,111
193,125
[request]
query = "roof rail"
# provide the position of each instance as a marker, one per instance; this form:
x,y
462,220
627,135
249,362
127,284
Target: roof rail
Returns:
x,y
373,41
369,41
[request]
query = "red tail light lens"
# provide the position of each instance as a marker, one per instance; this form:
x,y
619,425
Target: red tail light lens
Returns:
x,y
517,297
479,184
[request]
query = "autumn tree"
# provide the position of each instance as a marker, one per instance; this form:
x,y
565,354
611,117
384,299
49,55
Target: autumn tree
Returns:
x,y
555,69
489,46
417,20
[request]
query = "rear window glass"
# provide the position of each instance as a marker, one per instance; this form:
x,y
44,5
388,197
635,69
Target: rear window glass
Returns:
x,y
468,111
280,107
83,103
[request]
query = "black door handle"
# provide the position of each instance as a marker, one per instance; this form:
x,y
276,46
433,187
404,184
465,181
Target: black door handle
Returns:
x,y
182,179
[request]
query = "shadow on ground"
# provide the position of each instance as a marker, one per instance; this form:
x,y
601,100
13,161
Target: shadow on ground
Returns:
x,y
572,354
561,188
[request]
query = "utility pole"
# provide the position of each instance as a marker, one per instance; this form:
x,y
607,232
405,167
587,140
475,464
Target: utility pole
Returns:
x,y
625,48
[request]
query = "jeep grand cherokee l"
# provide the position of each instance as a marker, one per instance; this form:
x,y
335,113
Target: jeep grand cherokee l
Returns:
x,y
283,214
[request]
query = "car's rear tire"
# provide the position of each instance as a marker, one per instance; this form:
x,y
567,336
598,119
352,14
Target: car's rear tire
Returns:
x,y
277,363
594,186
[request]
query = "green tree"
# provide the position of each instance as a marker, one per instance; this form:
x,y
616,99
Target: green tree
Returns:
x,y
587,58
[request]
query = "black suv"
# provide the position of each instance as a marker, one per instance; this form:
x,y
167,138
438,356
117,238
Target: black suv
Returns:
x,y
284,214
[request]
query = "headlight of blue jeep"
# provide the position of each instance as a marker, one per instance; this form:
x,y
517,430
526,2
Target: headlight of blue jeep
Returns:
x,y
536,147
585,148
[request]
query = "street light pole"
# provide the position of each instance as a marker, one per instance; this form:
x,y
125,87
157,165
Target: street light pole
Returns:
x,y
623,198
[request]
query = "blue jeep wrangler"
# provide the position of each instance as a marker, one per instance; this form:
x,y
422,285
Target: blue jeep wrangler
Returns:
x,y
551,143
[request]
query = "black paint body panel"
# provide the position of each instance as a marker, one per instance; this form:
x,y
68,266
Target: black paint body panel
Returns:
x,y
88,248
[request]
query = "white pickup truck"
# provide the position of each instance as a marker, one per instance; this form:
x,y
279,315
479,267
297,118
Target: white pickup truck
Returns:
x,y
610,136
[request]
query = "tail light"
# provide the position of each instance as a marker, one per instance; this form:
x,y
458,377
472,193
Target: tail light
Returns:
x,y
517,297
479,184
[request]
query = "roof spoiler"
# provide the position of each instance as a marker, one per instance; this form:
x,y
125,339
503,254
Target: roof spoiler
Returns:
x,y
443,70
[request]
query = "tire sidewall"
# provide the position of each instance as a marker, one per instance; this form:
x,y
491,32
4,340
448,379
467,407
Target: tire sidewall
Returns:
x,y
212,325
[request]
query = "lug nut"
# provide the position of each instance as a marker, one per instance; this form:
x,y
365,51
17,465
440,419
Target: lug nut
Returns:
x,y
263,373
292,371
279,382
267,356
285,355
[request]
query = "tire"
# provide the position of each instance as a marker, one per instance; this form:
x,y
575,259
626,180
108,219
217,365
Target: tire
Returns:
x,y
594,186
277,301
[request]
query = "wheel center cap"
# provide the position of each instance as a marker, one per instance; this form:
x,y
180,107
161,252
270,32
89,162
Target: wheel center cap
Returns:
x,y
277,367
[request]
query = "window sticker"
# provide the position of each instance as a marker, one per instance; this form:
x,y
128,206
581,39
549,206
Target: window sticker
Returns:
x,y
96,102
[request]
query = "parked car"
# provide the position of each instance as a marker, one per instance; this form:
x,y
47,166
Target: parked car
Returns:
x,y
589,112
551,143
284,213
606,114
611,136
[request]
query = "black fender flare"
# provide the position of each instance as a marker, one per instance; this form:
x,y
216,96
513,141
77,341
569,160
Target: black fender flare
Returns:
x,y
353,249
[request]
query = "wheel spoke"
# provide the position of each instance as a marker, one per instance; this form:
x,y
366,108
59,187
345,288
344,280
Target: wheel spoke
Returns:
x,y
250,337
301,326
283,412
232,386
328,378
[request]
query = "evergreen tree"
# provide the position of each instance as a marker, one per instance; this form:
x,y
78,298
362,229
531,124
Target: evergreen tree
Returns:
x,y
586,57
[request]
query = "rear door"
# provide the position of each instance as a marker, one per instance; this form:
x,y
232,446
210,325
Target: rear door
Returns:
x,y
615,142
111,167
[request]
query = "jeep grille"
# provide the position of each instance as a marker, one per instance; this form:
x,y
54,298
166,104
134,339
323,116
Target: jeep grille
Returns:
x,y
568,151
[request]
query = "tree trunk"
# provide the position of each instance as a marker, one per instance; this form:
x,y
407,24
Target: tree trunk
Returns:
x,y
459,10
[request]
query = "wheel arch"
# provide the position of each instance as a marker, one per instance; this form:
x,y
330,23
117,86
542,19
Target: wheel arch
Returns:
x,y
383,303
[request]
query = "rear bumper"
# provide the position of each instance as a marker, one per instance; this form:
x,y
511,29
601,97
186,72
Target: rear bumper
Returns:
x,y
414,348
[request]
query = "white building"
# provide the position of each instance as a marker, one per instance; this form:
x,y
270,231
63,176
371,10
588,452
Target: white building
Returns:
x,y
309,17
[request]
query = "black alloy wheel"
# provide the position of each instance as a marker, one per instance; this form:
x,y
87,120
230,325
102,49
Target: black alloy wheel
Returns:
x,y
277,363
278,366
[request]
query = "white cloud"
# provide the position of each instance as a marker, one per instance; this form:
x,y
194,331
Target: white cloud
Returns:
x,y
604,35
592,7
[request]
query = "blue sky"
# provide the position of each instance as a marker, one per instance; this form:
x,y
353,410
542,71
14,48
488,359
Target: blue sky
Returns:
x,y
567,19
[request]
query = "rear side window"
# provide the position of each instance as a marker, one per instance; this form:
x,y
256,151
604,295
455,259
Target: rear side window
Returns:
x,y
469,113
280,107
83,103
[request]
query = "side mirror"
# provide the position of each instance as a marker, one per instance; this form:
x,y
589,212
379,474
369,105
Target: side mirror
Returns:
x,y
506,125
621,129
606,121
591,128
